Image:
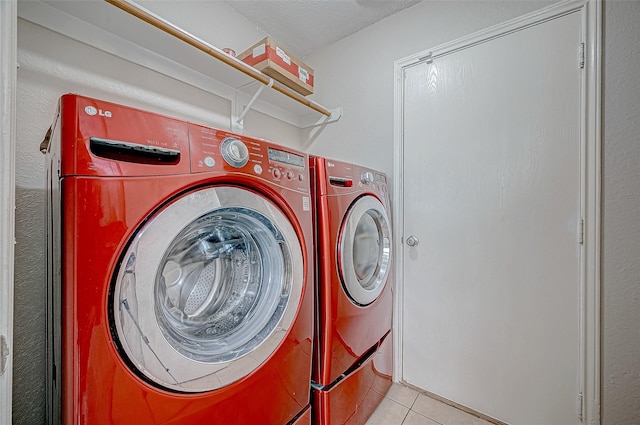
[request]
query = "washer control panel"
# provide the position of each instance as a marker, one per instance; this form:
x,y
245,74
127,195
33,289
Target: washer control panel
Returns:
x,y
217,150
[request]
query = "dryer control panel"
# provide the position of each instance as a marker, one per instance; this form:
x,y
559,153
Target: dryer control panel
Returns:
x,y
344,178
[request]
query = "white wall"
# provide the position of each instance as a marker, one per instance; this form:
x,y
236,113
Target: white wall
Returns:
x,y
51,65
621,214
357,72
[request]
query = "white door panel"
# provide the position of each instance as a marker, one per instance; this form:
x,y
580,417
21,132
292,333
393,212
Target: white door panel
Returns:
x,y
492,184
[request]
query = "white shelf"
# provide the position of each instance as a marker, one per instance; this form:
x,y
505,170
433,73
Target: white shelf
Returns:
x,y
112,30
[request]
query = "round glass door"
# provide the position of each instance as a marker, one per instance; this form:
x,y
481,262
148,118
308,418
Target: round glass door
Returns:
x,y
207,289
365,250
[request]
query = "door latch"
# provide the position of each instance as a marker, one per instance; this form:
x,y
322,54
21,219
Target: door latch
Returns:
x,y
413,240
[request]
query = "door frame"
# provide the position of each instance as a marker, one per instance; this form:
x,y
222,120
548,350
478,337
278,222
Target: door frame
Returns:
x,y
8,63
590,133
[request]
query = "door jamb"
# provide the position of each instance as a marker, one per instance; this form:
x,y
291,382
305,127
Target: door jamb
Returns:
x,y
590,298
8,63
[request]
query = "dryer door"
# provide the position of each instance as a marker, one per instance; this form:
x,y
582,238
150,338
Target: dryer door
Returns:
x,y
364,250
207,289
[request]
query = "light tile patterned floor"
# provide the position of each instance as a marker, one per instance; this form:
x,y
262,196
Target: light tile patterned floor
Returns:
x,y
405,406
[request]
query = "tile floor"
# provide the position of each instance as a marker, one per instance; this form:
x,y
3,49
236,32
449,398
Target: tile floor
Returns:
x,y
405,406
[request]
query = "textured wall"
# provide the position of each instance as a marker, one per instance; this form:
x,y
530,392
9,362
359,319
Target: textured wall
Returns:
x,y
51,65
359,76
42,78
621,214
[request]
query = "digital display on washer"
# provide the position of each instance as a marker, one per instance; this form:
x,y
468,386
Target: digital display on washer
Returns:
x,y
286,157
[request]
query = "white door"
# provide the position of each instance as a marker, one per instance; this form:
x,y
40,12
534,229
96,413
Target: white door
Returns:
x,y
492,195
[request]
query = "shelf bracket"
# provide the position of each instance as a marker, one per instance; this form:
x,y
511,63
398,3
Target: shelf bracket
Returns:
x,y
239,123
336,114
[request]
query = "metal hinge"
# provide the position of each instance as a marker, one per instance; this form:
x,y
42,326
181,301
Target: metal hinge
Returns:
x,y
426,58
4,354
580,402
581,232
581,56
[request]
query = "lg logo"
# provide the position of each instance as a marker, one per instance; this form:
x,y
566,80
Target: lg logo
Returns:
x,y
90,110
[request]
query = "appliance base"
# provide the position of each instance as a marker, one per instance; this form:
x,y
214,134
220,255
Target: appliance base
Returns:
x,y
353,399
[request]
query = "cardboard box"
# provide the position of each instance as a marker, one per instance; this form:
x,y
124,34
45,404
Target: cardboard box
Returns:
x,y
272,60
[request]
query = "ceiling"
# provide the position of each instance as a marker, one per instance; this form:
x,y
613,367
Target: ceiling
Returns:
x,y
304,26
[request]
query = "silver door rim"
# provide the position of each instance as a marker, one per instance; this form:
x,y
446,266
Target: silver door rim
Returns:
x,y
364,292
152,354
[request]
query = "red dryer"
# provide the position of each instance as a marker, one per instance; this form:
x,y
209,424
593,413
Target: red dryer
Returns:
x,y
180,271
353,344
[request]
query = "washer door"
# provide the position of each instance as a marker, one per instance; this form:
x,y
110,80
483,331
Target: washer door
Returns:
x,y
365,250
208,289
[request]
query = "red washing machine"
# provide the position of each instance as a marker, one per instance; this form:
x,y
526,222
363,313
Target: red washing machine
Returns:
x,y
353,351
180,266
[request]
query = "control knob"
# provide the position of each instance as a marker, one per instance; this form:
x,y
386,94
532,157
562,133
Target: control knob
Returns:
x,y
367,177
234,152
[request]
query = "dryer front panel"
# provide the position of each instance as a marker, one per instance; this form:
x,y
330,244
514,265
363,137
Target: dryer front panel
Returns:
x,y
207,289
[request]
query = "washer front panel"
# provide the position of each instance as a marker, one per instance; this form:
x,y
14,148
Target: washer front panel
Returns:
x,y
208,289
364,250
